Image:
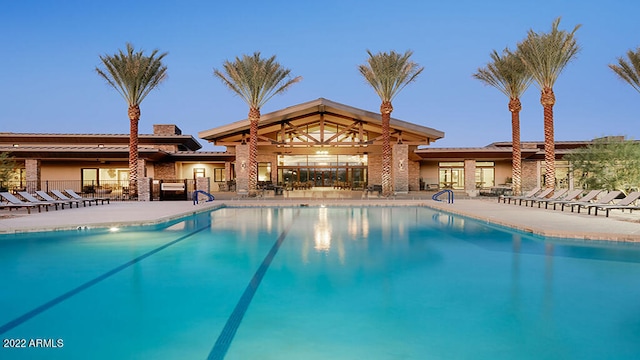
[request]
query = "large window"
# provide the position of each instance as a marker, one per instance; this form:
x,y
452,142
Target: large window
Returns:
x,y
218,175
264,171
485,174
451,175
113,178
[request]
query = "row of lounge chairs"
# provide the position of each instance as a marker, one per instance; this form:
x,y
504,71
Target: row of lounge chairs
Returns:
x,y
593,200
42,199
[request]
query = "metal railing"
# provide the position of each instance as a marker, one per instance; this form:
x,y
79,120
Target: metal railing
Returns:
x,y
442,192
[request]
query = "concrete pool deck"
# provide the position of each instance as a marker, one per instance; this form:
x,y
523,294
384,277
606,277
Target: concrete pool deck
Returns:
x,y
618,226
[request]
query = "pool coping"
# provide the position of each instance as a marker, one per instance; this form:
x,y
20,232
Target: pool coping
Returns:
x,y
529,220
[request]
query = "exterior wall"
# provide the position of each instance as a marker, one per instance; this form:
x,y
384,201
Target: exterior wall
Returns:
x,y
32,169
242,168
165,170
400,165
414,175
470,177
374,169
429,172
502,171
530,175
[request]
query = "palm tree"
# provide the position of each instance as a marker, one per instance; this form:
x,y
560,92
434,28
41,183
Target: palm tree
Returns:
x,y
545,55
388,73
256,80
629,71
133,75
508,74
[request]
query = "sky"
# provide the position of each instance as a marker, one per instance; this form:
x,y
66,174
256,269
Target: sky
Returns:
x,y
50,50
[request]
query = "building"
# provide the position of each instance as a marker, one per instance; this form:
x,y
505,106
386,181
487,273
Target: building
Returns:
x,y
316,144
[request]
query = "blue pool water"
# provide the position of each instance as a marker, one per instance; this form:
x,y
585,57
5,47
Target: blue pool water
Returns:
x,y
317,283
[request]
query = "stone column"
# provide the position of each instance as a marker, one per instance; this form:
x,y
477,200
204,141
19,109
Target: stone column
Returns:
x,y
144,189
143,181
242,169
204,184
32,169
470,177
400,164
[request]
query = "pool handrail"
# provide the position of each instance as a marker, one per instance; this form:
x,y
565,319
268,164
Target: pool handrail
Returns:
x,y
441,192
195,196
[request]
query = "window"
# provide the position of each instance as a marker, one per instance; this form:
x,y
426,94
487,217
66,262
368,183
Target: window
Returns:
x,y
451,175
264,171
198,173
485,174
218,175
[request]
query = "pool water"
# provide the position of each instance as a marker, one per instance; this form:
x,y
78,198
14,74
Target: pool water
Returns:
x,y
317,283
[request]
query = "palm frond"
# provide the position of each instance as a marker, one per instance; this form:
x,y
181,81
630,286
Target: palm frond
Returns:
x,y
629,71
256,80
546,54
389,73
506,73
132,73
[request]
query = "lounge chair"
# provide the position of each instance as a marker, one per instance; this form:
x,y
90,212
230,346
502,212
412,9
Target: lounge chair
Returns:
x,y
49,198
32,199
623,204
515,197
609,197
64,197
74,195
15,203
542,195
586,198
556,194
559,195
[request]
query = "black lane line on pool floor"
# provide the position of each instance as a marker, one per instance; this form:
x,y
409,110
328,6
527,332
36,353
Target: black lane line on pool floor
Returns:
x,y
46,306
221,347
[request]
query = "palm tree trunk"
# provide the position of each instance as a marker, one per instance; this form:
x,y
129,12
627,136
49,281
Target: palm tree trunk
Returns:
x,y
548,99
516,163
134,117
385,110
254,118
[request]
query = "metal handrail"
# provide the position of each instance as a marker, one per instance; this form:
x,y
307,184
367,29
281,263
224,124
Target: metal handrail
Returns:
x,y
441,192
195,196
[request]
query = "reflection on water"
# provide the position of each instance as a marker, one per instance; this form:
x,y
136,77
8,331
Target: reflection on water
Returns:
x,y
322,231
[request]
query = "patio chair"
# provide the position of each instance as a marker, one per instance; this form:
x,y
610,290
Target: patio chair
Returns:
x,y
586,198
622,204
542,195
557,195
515,197
609,197
61,196
15,203
32,199
74,195
46,197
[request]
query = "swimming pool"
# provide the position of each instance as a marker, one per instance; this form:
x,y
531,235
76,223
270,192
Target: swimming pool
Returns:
x,y
317,283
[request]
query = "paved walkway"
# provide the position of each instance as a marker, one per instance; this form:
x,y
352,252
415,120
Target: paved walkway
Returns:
x,y
619,226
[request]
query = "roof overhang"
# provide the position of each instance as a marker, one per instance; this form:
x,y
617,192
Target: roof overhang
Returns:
x,y
316,110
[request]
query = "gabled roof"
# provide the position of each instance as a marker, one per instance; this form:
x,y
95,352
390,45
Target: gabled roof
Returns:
x,y
330,110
